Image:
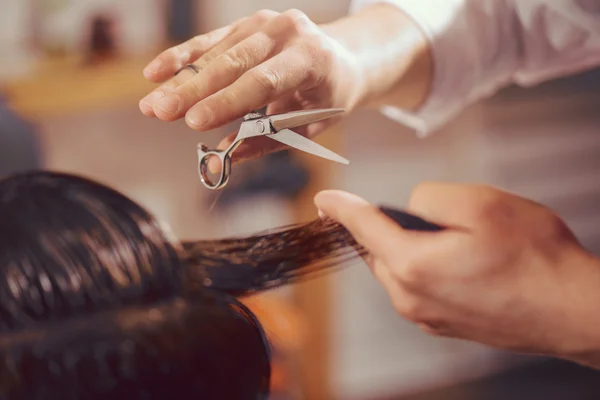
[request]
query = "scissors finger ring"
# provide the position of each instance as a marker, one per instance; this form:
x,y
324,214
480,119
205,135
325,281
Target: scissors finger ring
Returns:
x,y
224,156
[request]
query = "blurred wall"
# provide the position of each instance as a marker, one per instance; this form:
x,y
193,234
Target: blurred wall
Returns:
x,y
26,32
15,33
214,14
140,22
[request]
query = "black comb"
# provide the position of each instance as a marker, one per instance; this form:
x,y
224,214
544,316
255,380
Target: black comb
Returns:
x,y
408,221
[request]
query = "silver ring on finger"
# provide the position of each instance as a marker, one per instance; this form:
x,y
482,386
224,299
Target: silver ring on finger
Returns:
x,y
192,67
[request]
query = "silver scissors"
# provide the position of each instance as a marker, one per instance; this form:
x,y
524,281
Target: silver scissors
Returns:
x,y
276,127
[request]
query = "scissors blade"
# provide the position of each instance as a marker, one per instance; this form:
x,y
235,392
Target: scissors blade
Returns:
x,y
297,141
299,118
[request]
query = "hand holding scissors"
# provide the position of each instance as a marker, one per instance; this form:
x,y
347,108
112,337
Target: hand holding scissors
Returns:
x,y
276,127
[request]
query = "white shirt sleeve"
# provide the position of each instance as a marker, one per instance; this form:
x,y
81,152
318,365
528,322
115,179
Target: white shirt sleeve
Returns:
x,y
481,46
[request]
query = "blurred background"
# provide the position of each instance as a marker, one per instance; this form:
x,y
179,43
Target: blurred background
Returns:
x,y
70,81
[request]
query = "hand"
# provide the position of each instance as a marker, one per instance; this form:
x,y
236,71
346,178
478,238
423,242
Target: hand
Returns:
x,y
282,60
507,272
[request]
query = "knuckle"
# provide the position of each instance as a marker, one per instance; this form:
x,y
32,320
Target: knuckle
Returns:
x,y
309,49
171,84
410,307
228,99
231,62
295,20
264,15
195,89
326,52
200,40
268,79
206,59
180,52
373,264
413,274
294,13
315,75
490,206
318,58
558,229
433,329
314,57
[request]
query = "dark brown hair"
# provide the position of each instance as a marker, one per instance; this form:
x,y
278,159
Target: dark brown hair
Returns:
x,y
97,303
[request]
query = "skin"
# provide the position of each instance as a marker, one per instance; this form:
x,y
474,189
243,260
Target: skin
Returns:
x,y
286,62
507,272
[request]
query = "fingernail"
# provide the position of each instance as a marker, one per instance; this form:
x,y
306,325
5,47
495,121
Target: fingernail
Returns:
x,y
169,104
153,67
199,117
321,214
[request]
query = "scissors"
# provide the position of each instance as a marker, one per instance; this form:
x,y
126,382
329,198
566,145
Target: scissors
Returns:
x,y
276,127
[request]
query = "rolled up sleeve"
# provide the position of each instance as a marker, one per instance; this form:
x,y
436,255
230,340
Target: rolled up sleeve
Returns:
x,y
480,46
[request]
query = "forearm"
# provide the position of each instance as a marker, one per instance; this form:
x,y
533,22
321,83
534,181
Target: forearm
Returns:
x,y
580,310
393,58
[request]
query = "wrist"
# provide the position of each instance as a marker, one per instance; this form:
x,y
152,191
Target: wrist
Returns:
x,y
581,311
390,57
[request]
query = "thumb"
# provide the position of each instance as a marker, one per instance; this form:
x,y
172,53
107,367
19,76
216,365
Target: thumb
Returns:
x,y
369,226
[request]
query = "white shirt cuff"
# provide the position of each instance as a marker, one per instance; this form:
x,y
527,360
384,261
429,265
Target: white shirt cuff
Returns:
x,y
436,110
455,58
480,46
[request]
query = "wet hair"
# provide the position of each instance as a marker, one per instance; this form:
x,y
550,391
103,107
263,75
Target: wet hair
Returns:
x,y
98,302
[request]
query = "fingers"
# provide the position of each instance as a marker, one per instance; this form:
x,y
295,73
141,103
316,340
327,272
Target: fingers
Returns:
x,y
146,105
380,235
462,206
385,277
413,306
406,263
159,103
255,89
224,70
168,105
248,27
167,63
243,67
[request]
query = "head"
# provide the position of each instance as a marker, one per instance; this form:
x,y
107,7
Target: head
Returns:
x,y
96,302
